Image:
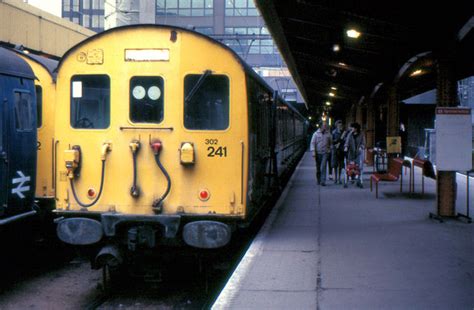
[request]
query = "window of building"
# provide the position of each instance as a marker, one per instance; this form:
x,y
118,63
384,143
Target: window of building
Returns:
x,y
90,101
250,46
86,20
95,21
66,5
39,106
184,7
240,8
205,30
75,5
206,105
146,99
24,111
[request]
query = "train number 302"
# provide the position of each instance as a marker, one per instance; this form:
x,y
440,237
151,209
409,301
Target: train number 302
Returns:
x,y
217,151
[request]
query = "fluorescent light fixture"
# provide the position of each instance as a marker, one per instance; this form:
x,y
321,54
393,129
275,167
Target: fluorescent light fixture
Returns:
x,y
328,103
342,64
331,94
333,88
336,48
352,33
416,72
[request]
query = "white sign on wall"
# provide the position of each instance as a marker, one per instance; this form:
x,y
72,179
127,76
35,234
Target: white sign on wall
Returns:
x,y
453,139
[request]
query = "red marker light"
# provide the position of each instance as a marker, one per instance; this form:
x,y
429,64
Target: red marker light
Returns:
x,y
91,193
204,194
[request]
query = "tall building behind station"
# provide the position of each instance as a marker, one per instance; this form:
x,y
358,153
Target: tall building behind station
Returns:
x,y
236,23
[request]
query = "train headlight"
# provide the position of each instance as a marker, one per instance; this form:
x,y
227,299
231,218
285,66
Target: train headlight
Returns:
x,y
206,234
187,153
204,195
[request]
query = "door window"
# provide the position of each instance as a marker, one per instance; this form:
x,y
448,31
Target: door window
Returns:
x,y
39,106
90,101
206,105
24,113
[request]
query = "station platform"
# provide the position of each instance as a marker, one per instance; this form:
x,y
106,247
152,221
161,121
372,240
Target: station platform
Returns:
x,y
341,248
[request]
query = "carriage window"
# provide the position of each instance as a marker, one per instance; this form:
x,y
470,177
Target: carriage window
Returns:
x,y
24,112
39,106
206,105
146,99
90,101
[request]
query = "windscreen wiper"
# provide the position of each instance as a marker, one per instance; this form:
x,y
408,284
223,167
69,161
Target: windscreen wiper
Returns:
x,y
197,86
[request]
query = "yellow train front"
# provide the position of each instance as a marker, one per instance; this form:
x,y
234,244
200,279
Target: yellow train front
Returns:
x,y
165,137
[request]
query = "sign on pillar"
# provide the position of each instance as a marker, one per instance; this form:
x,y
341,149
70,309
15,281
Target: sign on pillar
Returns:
x,y
453,139
453,153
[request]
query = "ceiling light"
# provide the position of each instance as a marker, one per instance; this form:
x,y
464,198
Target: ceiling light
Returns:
x,y
352,33
336,47
342,64
328,103
331,94
333,88
309,117
416,72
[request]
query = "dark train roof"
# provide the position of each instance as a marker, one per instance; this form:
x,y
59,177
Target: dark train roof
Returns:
x,y
11,64
245,66
47,63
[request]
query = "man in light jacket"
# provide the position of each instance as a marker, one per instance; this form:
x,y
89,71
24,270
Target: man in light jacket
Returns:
x,y
321,143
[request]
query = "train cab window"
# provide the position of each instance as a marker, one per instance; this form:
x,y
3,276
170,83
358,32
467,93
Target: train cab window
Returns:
x,y
39,106
90,101
146,99
24,111
206,104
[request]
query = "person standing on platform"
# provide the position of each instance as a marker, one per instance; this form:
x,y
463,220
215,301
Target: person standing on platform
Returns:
x,y
403,136
355,148
321,143
337,151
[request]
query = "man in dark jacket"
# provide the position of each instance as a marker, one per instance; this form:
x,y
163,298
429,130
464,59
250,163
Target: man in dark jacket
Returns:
x,y
337,151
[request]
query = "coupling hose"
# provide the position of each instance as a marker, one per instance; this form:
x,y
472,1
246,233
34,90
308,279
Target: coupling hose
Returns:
x,y
157,203
84,205
135,190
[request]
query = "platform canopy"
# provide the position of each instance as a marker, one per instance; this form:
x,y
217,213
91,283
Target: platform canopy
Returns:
x,y
312,37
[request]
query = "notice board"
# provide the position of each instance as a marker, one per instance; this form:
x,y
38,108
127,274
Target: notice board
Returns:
x,y
453,139
394,144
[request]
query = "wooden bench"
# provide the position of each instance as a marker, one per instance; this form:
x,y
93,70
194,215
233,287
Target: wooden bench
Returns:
x,y
427,170
393,174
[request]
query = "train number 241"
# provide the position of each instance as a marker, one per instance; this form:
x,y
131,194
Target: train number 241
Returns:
x,y
215,151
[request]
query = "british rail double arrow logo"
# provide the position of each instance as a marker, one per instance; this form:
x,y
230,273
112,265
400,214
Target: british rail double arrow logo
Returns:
x,y
21,184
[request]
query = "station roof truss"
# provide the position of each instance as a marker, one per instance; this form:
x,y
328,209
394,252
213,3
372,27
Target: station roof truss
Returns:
x,y
312,37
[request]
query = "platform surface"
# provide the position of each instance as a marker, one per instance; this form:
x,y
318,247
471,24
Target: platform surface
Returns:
x,y
335,248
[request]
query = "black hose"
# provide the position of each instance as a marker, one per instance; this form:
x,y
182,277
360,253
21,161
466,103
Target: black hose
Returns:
x,y
134,191
100,190
157,203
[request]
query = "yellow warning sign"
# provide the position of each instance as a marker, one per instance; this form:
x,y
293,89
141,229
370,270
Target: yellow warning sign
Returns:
x,y
394,144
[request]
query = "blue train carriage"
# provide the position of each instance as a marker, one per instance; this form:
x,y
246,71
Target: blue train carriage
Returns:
x,y
17,139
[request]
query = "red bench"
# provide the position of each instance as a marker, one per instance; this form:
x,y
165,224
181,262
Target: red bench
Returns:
x,y
393,174
427,170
